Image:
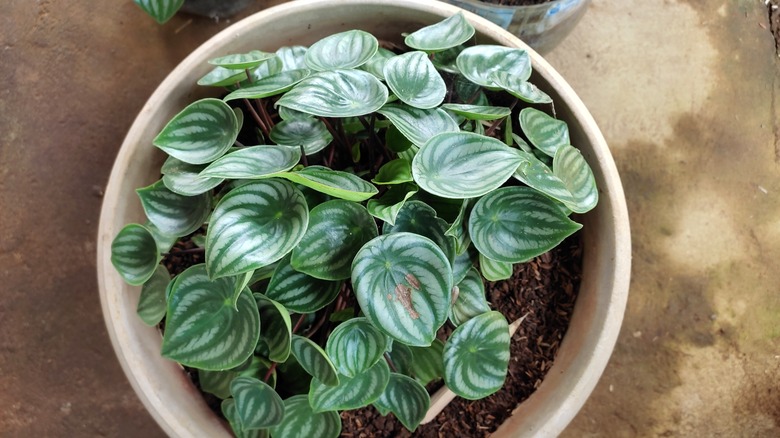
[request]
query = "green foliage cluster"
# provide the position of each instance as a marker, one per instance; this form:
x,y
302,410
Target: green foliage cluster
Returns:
x,y
383,191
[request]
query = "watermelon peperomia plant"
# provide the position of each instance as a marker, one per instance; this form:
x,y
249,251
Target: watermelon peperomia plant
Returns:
x,y
383,191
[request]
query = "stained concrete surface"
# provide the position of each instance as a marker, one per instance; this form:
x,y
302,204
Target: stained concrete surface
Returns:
x,y
685,91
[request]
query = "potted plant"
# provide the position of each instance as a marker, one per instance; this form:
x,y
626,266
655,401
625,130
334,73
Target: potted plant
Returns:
x,y
279,224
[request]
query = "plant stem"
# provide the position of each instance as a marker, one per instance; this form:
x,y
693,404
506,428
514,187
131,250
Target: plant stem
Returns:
x,y
319,323
303,157
266,117
270,371
497,122
256,116
390,363
299,322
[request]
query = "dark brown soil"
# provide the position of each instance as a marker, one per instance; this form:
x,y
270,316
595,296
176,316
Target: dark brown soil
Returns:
x,y
545,289
516,2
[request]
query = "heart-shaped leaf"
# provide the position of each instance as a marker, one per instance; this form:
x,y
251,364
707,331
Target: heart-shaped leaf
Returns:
x,y
376,65
394,172
403,283
335,183
355,346
443,35
134,254
164,241
515,224
218,382
351,392
270,67
459,229
171,213
314,360
419,218
463,165
476,356
242,60
222,77
337,230
200,133
253,226
293,57
428,364
405,398
151,304
277,329
478,112
255,162
301,421
415,80
493,270
534,173
202,322
461,266
230,412
387,207
258,405
337,93
471,299
521,89
308,132
270,85
184,179
418,125
478,63
160,10
401,357
299,292
343,50
543,131
570,166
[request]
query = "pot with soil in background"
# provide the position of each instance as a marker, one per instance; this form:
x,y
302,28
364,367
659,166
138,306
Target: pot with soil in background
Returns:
x,y
583,354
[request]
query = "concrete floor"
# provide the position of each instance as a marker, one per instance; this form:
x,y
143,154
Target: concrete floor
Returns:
x,y
686,93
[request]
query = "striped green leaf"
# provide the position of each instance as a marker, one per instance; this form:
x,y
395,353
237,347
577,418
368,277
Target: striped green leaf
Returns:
x,y
258,405
277,329
270,67
228,408
255,162
445,62
476,356
270,85
151,304
428,364
403,283
405,398
471,299
222,77
493,270
477,112
343,185
254,225
292,57
394,172
337,230
242,60
459,229
397,142
202,327
516,224
343,50
419,218
521,89
164,241
443,35
218,382
543,131
301,421
314,360
401,356
308,132
200,133
418,125
171,213
351,392
461,266
298,292
478,63
415,80
376,65
337,93
570,167
184,179
461,165
534,173
160,10
355,346
387,207
134,254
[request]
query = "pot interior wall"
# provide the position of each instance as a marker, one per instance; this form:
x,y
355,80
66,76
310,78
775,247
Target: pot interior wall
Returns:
x,y
178,407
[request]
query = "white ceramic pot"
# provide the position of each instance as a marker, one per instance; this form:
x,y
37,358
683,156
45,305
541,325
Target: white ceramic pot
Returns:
x,y
162,386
